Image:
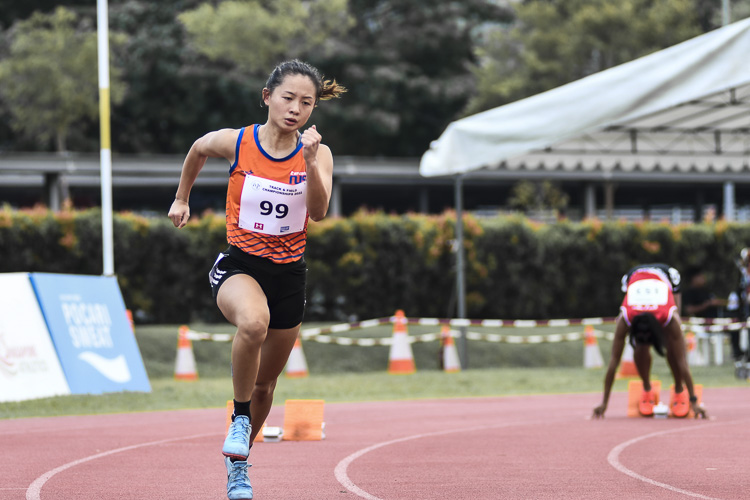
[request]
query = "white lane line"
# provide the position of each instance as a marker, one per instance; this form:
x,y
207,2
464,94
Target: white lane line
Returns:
x,y
341,468
614,457
35,489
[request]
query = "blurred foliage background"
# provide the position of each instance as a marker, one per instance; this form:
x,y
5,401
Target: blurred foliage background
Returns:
x,y
184,67
371,264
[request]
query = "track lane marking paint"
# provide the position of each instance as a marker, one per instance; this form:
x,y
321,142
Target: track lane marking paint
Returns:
x,y
614,457
34,490
341,468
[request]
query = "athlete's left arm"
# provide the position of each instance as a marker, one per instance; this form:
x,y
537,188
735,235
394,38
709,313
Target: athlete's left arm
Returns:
x,y
319,165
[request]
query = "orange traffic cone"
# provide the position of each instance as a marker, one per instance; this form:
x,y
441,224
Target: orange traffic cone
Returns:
x,y
129,314
694,357
296,366
627,365
451,363
592,356
400,358
184,367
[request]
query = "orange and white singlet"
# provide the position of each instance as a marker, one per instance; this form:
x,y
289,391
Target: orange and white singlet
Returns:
x,y
650,289
266,209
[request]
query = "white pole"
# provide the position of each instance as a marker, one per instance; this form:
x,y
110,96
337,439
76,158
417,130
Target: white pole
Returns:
x,y
726,17
102,37
729,201
461,267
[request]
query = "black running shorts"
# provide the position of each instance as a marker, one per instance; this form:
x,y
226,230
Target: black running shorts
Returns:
x,y
283,284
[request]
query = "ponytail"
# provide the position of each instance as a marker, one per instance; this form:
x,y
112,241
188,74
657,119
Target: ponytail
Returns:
x,y
331,90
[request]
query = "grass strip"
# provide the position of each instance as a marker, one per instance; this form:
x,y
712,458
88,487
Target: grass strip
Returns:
x,y
168,394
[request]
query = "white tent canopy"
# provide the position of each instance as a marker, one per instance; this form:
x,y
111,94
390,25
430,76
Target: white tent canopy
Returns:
x,y
682,109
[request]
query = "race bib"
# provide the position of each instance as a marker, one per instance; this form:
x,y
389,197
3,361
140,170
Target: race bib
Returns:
x,y
648,293
271,207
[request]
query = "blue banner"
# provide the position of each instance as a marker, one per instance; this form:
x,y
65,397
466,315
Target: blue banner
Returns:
x,y
88,323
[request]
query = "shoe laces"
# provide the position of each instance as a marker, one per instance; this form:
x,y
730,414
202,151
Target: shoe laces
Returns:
x,y
238,477
239,430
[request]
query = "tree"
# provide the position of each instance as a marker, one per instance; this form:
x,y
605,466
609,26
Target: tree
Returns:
x,y
255,34
709,12
175,95
191,68
527,195
407,64
555,42
183,83
411,66
49,81
13,10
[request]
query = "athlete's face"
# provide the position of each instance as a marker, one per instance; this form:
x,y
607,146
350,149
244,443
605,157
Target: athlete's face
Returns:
x,y
291,103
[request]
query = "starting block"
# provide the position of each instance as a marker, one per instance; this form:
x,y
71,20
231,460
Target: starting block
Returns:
x,y
272,434
230,410
303,420
635,388
698,388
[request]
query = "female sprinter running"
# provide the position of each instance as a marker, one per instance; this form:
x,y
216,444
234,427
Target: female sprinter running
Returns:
x,y
649,313
279,176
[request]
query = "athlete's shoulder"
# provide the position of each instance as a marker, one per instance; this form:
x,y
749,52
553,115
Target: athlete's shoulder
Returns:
x,y
325,159
325,151
671,272
665,270
674,277
218,143
229,133
626,278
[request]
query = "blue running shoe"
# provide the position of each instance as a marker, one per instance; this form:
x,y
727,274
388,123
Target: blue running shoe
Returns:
x,y
237,443
238,482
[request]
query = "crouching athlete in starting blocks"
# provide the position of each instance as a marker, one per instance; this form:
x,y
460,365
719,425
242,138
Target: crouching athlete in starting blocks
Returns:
x,y
649,313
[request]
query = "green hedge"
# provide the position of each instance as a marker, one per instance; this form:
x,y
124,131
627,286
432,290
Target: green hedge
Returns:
x,y
371,264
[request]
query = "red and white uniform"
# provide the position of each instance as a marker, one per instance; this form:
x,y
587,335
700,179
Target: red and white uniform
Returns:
x,y
650,289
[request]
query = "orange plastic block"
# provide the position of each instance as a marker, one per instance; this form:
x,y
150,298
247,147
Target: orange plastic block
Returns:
x,y
303,419
635,388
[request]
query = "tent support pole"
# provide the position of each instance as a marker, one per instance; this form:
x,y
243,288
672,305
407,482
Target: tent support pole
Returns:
x,y
460,267
729,201
590,200
335,205
726,17
609,199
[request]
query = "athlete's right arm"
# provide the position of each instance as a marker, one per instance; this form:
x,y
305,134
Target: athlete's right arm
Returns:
x,y
217,144
618,346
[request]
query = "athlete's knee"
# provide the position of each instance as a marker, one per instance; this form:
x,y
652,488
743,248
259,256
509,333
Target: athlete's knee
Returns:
x,y
252,330
264,390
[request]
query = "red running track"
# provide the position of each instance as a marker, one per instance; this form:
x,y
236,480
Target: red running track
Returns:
x,y
538,447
